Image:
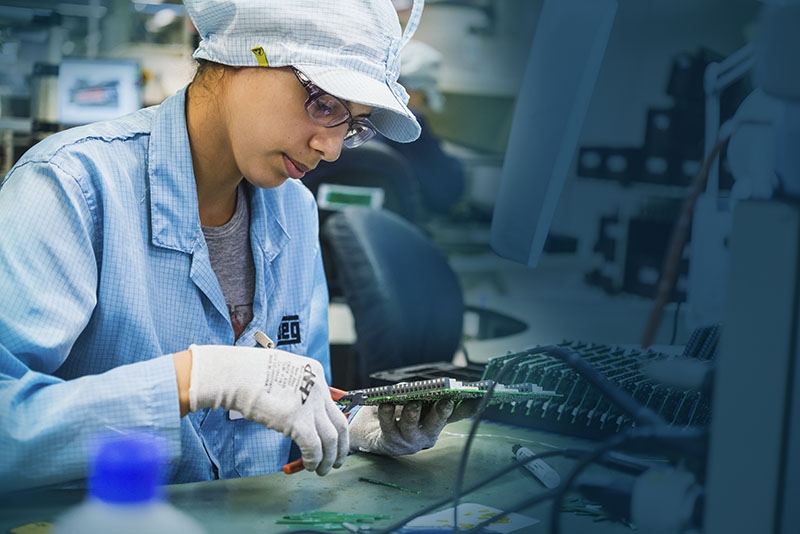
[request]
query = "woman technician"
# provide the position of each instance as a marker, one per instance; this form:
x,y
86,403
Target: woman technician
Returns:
x,y
141,258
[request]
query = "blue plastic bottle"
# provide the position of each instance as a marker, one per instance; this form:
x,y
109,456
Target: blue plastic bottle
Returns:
x,y
124,495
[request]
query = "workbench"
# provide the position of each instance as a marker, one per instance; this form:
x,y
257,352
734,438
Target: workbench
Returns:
x,y
254,504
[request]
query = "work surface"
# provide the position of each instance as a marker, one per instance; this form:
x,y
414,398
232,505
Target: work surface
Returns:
x,y
254,504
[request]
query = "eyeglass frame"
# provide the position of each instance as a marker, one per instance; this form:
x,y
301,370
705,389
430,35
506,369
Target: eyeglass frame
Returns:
x,y
351,138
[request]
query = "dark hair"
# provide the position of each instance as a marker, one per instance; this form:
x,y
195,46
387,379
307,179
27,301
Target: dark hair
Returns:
x,y
204,67
209,71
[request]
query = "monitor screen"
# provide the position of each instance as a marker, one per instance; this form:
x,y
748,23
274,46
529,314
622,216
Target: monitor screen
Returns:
x,y
91,90
565,56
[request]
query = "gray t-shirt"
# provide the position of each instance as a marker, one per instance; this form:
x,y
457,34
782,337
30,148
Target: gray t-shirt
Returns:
x,y
232,261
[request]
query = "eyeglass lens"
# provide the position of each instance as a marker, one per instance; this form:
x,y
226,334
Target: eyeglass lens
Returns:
x,y
327,110
357,135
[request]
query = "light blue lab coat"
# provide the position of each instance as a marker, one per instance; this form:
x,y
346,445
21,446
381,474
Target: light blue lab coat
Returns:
x,y
104,270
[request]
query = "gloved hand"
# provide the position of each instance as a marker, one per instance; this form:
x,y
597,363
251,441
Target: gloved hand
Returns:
x,y
280,390
397,430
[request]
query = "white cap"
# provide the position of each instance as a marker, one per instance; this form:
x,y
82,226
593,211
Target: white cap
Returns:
x,y
349,48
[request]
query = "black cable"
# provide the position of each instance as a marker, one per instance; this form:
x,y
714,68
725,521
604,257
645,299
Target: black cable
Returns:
x,y
561,491
685,438
478,485
586,458
652,425
641,414
457,491
462,466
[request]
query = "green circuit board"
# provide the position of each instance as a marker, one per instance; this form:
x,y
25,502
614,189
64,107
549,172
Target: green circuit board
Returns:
x,y
429,391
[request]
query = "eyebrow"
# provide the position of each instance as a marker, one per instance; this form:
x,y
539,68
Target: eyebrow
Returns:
x,y
360,115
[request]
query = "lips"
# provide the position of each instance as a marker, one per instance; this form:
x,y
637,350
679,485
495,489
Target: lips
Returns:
x,y
295,169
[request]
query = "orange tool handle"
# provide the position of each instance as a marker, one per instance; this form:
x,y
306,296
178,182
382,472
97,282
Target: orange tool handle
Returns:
x,y
293,467
297,465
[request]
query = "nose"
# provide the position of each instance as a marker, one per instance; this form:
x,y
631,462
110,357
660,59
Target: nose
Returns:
x,y
328,141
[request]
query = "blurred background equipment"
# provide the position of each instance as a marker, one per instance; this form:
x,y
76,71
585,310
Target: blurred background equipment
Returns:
x,y
37,35
91,90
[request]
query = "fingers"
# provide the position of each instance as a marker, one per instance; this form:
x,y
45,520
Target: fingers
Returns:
x,y
412,427
408,424
437,418
321,449
386,418
324,443
444,408
464,410
310,445
329,439
333,434
399,425
339,422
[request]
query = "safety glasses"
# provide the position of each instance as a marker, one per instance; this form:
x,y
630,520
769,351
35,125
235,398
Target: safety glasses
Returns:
x,y
328,111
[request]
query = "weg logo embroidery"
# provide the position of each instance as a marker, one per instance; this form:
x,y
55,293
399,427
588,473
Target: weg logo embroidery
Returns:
x,y
289,330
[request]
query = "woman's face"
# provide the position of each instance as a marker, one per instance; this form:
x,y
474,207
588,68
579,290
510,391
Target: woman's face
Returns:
x,y
271,135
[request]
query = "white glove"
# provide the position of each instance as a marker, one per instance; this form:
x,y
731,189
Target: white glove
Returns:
x,y
280,390
396,430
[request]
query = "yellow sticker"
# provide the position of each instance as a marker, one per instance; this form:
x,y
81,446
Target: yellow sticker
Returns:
x,y
33,528
261,57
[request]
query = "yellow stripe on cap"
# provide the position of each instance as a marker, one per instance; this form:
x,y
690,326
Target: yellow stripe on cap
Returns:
x,y
261,57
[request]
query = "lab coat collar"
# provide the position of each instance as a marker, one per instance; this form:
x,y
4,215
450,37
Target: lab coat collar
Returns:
x,y
175,221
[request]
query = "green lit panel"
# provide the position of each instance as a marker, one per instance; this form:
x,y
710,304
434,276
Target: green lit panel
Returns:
x,y
338,196
350,199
